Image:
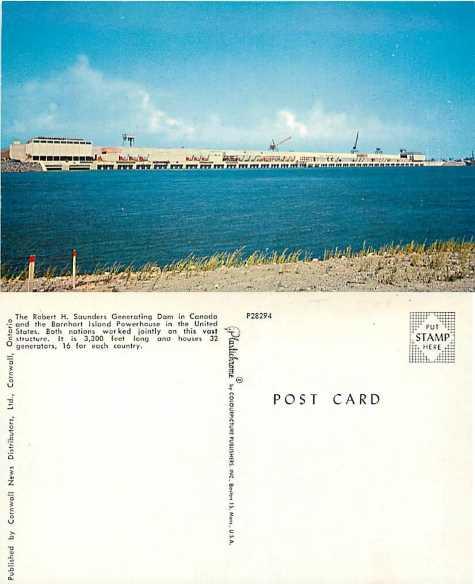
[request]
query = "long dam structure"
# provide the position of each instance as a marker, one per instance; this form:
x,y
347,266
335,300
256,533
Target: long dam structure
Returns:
x,y
75,154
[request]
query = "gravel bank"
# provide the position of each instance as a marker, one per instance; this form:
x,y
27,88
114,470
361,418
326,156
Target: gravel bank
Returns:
x,y
440,271
15,166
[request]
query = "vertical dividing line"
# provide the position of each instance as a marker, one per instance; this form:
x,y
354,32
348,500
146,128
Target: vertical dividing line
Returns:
x,y
74,254
31,271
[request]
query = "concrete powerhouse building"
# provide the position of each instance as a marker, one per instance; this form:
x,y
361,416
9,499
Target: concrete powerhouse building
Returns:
x,y
54,153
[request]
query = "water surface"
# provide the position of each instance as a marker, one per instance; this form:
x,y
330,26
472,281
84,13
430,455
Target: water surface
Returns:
x,y
134,217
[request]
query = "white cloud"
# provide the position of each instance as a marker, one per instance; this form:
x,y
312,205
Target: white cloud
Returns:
x,y
317,129
322,128
289,120
84,101
82,97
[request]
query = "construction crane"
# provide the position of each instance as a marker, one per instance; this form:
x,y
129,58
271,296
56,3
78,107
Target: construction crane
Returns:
x,y
353,150
128,138
275,145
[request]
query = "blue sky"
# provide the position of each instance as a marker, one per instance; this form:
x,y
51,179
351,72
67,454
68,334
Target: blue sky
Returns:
x,y
238,74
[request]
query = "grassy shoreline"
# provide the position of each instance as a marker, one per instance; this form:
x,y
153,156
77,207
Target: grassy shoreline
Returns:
x,y
441,265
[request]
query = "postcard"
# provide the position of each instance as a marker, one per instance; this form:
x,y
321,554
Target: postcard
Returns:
x,y
237,438
237,276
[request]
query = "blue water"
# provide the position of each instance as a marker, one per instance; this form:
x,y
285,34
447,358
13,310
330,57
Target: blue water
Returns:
x,y
160,216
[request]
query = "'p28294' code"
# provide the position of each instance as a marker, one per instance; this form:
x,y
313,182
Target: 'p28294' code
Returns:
x,y
255,315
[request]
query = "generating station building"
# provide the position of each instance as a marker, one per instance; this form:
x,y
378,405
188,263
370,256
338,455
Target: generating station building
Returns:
x,y
53,153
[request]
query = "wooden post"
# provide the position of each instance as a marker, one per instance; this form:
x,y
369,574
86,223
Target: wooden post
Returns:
x,y
31,271
74,255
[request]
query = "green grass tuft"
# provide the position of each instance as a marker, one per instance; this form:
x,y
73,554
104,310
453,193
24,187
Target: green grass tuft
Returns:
x,y
436,256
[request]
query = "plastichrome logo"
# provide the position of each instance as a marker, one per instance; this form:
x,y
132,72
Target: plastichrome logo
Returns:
x,y
432,337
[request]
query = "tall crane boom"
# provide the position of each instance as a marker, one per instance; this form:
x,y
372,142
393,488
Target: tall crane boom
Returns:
x,y
356,141
275,145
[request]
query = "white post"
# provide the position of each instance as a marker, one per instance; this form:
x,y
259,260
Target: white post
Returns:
x,y
73,257
31,271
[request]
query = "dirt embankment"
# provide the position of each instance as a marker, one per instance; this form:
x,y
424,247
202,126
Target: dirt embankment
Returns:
x,y
439,271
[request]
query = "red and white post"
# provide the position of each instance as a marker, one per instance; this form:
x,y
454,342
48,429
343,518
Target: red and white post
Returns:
x,y
31,271
74,255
